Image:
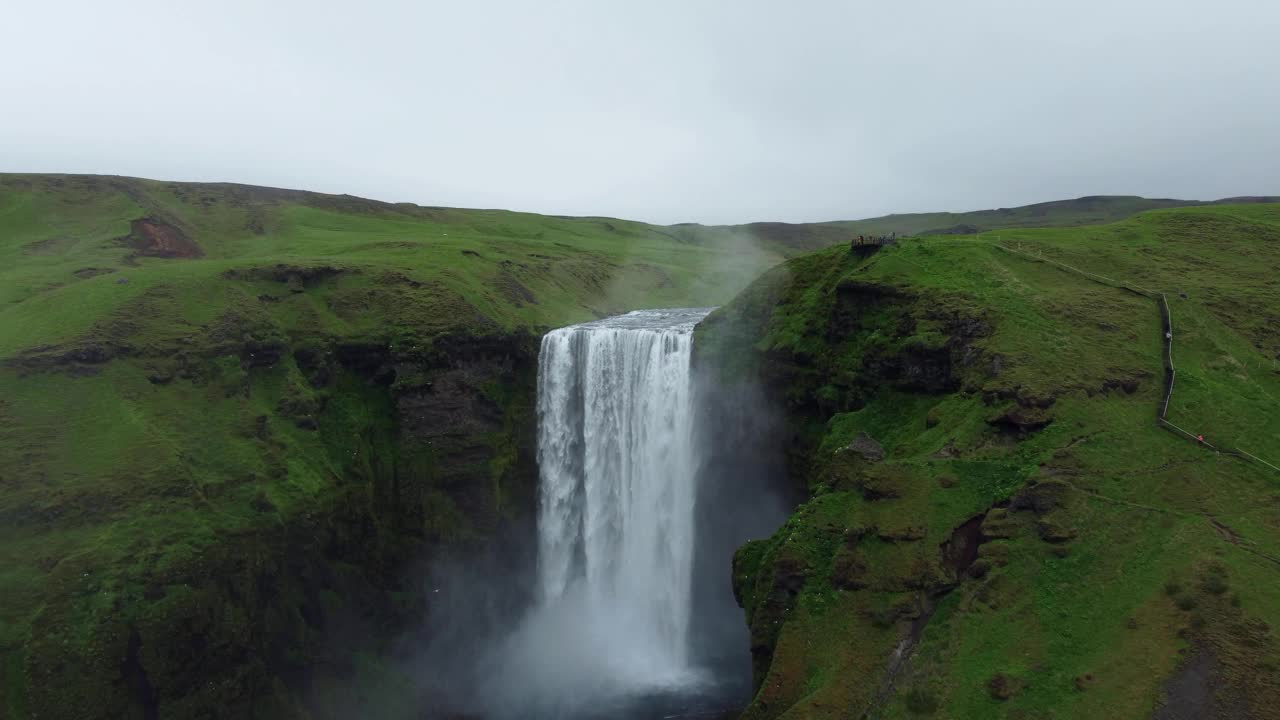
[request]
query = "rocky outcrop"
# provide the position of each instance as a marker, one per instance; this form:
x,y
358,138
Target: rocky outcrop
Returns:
x,y
857,339
854,341
867,447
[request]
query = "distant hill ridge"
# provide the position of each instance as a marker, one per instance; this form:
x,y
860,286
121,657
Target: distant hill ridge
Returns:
x,y
1086,210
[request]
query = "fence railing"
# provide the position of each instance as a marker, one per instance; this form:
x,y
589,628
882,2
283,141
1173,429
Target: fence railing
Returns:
x,y
1166,326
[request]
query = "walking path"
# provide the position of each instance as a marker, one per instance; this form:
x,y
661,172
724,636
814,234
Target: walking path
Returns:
x,y
1170,374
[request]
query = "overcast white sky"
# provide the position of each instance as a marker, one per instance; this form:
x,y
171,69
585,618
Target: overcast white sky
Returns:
x,y
659,110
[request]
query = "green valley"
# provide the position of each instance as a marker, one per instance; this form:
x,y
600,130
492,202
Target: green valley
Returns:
x,y
232,418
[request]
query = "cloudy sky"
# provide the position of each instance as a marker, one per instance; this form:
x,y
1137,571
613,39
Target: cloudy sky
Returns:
x,y
661,110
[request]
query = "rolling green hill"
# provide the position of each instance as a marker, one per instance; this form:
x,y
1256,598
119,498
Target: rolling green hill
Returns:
x,y
233,418
68,243
996,525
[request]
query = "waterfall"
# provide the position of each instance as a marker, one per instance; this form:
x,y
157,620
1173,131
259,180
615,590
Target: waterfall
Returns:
x,y
615,519
634,494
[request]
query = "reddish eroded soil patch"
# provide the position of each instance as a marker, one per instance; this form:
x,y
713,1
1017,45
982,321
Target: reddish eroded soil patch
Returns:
x,y
150,237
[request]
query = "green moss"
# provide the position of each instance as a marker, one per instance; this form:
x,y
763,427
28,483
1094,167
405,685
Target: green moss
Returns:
x,y
746,569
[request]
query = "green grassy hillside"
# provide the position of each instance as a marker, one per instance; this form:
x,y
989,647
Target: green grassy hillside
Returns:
x,y
69,241
997,527
233,418
230,416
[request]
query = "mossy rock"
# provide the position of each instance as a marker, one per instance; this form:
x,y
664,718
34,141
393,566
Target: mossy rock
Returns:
x,y
849,570
1053,528
999,524
1003,686
1041,497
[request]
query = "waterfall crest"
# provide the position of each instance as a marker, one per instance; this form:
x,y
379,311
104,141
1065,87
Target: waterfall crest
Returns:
x,y
617,461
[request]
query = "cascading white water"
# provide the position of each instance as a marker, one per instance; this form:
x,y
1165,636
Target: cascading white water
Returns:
x,y
615,522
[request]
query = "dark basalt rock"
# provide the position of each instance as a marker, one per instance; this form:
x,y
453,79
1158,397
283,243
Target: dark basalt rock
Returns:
x,y
998,524
867,447
79,360
315,364
256,355
297,277
92,354
1001,687
88,272
960,551
1127,385
789,573
849,570
1021,421
1041,497
910,533
1052,530
372,360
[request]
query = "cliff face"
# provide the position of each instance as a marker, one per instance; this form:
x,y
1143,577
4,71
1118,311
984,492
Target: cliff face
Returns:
x,y
288,568
238,425
984,510
820,342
